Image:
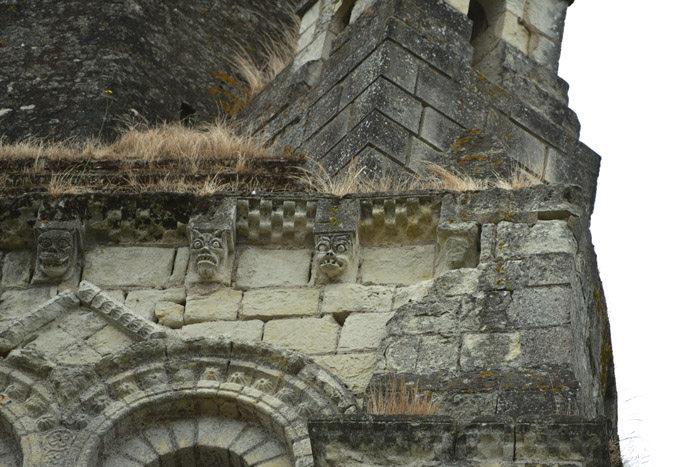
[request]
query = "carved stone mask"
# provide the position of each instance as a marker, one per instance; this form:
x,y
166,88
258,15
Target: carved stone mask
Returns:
x,y
55,251
209,250
333,253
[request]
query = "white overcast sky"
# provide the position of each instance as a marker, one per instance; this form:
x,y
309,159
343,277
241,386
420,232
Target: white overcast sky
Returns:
x,y
633,67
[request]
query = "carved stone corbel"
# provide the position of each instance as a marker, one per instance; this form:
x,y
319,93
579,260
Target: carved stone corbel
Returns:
x,y
59,247
212,238
336,242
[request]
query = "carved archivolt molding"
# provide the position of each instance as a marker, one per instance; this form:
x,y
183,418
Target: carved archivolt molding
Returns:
x,y
268,391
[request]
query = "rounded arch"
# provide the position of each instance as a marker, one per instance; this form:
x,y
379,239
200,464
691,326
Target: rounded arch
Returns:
x,y
28,411
260,389
210,432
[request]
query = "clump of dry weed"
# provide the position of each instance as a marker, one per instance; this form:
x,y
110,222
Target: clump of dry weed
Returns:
x,y
356,179
140,142
399,398
278,53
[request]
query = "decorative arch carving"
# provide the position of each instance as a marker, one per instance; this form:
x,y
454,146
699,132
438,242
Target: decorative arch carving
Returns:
x,y
256,388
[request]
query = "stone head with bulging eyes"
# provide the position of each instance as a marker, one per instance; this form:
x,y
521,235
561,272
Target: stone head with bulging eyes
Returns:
x,y
209,251
55,251
333,253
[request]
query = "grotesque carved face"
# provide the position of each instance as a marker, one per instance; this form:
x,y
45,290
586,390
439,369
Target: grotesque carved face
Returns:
x,y
55,251
209,250
333,253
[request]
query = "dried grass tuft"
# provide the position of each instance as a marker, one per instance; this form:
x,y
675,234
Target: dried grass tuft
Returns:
x,y
139,142
441,178
354,179
278,54
399,398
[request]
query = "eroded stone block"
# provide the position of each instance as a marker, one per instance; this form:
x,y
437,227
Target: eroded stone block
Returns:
x,y
269,304
307,335
363,331
520,240
346,298
169,314
243,331
109,340
143,302
397,264
488,350
16,268
128,266
458,246
221,305
258,267
354,369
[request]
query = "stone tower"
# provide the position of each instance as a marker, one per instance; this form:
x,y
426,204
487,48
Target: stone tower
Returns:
x,y
252,328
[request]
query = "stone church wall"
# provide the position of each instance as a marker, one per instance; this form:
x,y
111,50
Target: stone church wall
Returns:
x,y
478,298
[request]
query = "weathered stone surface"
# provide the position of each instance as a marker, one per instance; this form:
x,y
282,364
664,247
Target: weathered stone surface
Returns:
x,y
432,315
109,340
135,51
242,331
397,265
258,267
82,323
488,351
169,314
541,307
412,293
550,269
221,305
143,302
363,331
16,268
354,369
269,304
52,342
391,101
308,335
17,303
519,240
547,346
346,298
129,266
421,355
182,259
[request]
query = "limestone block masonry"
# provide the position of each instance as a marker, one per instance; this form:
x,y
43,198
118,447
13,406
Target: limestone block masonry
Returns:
x,y
516,331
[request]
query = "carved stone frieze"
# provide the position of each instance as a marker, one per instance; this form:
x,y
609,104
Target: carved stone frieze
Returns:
x,y
276,221
117,314
400,219
58,250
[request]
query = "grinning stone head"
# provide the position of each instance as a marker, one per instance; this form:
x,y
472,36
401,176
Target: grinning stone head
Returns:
x,y
55,252
57,247
333,253
209,251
